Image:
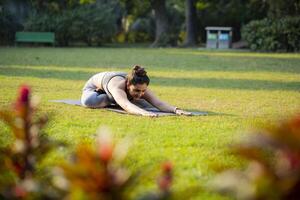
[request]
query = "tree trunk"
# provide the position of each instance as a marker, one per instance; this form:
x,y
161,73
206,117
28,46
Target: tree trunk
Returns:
x,y
161,22
190,22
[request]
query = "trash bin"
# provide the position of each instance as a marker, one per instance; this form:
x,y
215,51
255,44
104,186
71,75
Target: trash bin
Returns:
x,y
212,40
219,37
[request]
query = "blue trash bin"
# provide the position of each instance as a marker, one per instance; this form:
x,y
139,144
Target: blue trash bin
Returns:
x,y
224,40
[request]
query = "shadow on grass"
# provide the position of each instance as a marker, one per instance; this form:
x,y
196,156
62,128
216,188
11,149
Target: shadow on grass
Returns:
x,y
45,73
210,113
143,104
221,83
213,83
158,59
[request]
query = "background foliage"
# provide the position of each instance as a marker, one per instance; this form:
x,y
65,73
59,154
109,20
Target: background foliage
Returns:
x,y
86,23
269,35
103,21
9,26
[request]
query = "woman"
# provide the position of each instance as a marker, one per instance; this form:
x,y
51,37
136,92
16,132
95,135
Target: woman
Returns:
x,y
106,88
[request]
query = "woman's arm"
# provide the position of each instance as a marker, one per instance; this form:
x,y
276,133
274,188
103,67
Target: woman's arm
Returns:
x,y
121,99
161,105
120,96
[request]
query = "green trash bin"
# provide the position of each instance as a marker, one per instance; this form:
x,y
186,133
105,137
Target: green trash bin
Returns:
x,y
212,40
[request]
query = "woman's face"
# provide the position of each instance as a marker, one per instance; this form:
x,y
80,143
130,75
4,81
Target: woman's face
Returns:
x,y
137,91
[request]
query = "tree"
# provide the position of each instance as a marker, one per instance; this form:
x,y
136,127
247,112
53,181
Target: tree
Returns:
x,y
137,8
281,8
161,22
190,23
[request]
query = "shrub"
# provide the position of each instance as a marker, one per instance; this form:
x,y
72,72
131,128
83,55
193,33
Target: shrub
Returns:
x,y
18,162
142,30
9,26
273,170
176,18
89,23
273,35
93,24
57,23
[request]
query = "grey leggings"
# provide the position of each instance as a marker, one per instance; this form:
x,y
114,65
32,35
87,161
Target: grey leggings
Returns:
x,y
93,99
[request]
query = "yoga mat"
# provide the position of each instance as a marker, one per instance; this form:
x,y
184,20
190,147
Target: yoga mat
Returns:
x,y
115,108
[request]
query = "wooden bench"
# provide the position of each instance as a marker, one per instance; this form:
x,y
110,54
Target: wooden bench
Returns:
x,y
39,37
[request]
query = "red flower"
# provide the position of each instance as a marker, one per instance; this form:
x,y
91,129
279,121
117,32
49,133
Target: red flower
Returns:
x,y
167,167
23,100
18,168
165,181
24,92
293,159
295,122
106,152
20,192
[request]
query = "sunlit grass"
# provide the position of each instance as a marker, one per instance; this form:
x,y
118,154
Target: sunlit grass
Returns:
x,y
238,89
240,54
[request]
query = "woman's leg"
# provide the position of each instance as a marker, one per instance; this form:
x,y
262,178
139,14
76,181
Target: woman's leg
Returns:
x,y
93,99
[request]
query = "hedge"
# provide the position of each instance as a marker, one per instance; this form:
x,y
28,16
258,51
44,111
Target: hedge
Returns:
x,y
273,35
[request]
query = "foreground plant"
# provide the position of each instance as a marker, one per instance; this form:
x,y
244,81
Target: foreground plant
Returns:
x,y
164,183
273,171
96,172
18,161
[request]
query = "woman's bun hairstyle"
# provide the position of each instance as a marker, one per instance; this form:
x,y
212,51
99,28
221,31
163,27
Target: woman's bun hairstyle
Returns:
x,y
138,75
139,71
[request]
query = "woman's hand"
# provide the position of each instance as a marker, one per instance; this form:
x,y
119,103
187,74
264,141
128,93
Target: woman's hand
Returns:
x,y
182,112
150,114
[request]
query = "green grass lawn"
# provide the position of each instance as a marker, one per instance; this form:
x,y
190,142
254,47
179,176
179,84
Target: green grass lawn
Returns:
x,y
239,90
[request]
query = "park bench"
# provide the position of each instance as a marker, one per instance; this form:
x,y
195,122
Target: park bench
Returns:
x,y
39,37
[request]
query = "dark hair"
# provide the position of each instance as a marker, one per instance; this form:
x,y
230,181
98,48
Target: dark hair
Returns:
x,y
138,75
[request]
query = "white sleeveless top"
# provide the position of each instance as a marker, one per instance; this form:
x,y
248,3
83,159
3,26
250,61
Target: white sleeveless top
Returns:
x,y
100,82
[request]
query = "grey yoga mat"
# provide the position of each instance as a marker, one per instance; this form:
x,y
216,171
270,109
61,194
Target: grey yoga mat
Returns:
x,y
141,103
